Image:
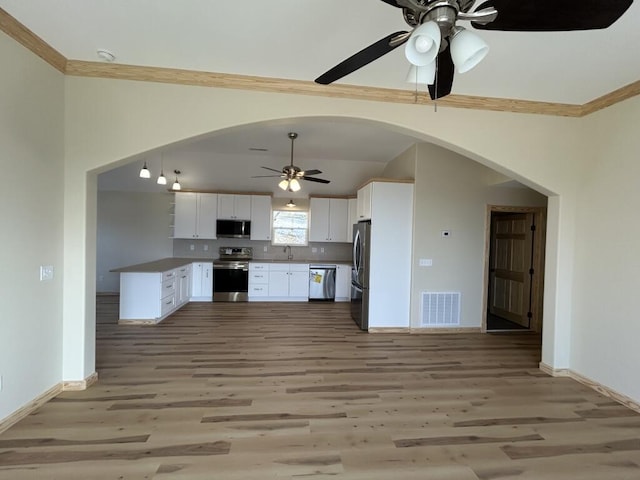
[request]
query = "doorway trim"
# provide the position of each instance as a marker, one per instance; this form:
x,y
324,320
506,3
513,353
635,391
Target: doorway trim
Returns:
x,y
539,239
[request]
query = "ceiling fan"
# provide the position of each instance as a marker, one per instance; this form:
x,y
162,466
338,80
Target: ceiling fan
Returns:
x,y
291,174
436,46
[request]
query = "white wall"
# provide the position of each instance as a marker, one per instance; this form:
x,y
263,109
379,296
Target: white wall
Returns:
x,y
606,323
31,157
131,228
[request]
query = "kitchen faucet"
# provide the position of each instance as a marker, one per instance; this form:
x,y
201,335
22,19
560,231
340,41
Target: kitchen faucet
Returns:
x,y
290,256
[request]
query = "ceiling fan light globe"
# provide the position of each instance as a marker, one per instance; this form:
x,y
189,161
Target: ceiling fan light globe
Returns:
x,y
467,50
294,185
423,44
422,75
284,184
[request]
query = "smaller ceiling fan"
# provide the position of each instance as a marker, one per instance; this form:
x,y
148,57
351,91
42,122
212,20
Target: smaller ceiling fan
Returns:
x,y
291,174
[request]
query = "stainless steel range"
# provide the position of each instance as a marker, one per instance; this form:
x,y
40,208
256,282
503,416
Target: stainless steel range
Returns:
x,y
231,274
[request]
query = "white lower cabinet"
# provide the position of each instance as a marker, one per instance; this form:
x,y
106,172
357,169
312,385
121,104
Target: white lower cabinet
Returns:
x,y
184,285
202,282
343,283
279,282
150,297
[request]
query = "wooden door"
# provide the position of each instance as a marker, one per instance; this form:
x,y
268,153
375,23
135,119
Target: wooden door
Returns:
x,y
511,266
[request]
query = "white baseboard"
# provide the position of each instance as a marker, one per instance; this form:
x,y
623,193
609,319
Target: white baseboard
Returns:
x,y
598,387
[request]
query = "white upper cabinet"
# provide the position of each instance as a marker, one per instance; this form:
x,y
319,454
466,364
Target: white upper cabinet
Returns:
x,y
363,208
329,220
195,215
234,207
260,217
353,215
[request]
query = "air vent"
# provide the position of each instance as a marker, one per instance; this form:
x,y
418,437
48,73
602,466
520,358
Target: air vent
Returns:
x,y
440,309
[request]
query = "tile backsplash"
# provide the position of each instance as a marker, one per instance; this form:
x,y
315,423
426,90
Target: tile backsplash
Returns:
x,y
315,251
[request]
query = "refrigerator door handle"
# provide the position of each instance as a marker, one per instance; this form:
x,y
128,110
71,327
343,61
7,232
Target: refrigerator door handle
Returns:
x,y
356,251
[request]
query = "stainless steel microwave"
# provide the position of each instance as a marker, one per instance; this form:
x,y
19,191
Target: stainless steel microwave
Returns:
x,y
233,228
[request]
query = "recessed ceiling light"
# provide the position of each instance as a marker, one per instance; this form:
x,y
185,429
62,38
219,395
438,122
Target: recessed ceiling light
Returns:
x,y
106,55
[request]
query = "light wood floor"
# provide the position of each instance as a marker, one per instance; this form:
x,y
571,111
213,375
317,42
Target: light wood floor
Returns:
x,y
296,391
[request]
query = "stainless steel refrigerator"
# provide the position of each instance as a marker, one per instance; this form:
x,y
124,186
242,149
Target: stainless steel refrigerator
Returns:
x,y
360,274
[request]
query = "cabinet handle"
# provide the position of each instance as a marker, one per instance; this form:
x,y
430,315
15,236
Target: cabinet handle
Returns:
x,y
169,302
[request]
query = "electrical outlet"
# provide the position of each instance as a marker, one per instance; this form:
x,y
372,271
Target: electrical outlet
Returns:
x,y
314,250
192,247
321,249
265,249
206,247
46,273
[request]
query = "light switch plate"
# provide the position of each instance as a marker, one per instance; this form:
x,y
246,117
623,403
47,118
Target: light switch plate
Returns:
x,y
426,262
46,273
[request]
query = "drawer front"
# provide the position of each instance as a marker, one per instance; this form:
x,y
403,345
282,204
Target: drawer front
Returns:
x,y
279,267
258,277
168,275
258,290
184,270
168,304
258,267
168,287
299,267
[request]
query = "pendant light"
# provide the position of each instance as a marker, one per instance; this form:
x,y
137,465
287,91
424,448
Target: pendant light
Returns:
x,y
144,171
176,184
162,180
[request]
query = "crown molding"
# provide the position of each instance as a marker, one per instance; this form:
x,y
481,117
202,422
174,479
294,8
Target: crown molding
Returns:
x,y
31,41
79,68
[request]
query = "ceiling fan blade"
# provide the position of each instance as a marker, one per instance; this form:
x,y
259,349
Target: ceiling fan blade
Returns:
x,y
444,75
312,179
272,169
311,172
553,15
362,58
266,176
393,3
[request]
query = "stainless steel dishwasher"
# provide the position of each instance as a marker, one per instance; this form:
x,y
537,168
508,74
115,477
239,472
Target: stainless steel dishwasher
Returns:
x,y
322,282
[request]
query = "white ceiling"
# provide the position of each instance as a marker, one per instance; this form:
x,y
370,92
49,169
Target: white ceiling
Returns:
x,y
301,39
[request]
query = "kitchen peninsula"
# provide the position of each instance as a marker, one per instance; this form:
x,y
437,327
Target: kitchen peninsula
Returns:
x,y
150,292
